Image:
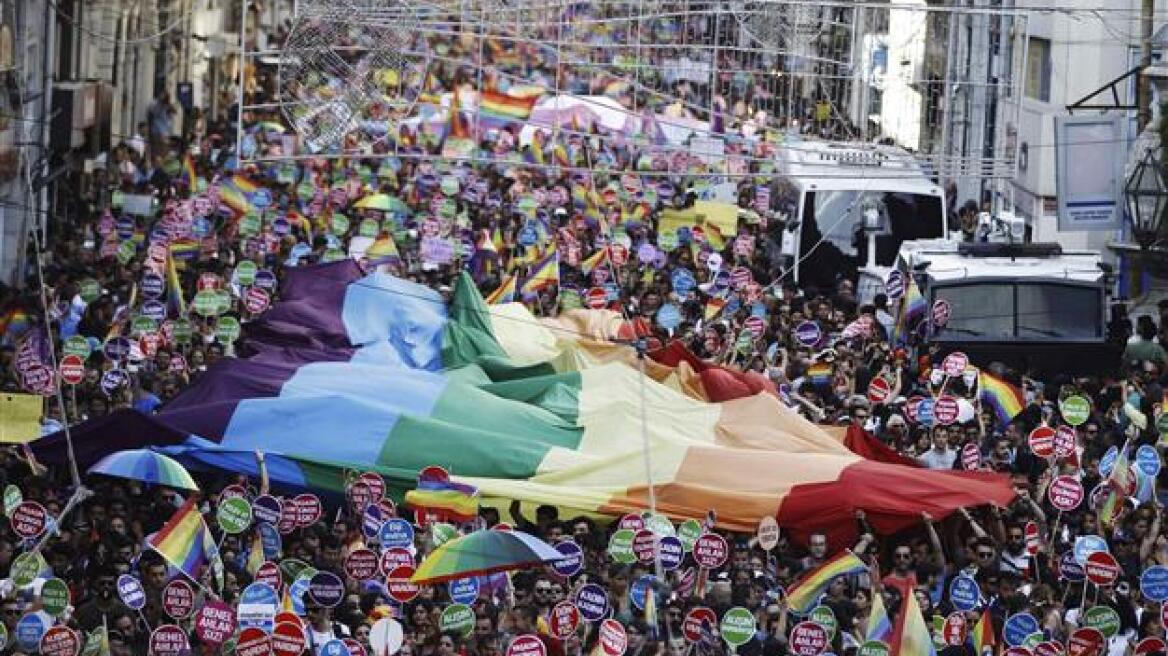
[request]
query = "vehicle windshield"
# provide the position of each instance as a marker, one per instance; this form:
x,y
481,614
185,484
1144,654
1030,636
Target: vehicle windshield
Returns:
x,y
832,239
1025,311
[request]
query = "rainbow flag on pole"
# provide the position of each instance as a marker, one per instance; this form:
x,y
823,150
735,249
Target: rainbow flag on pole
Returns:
x,y
983,634
879,626
912,637
176,304
803,596
437,495
1118,482
497,110
186,543
505,293
544,274
1006,400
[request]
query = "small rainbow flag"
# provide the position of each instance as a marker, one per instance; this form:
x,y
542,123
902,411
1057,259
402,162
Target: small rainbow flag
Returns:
x,y
803,596
1118,482
599,258
383,251
505,293
497,110
458,127
983,634
544,274
437,495
176,304
820,373
255,554
1006,400
914,303
912,637
186,542
879,626
243,184
714,307
15,324
189,173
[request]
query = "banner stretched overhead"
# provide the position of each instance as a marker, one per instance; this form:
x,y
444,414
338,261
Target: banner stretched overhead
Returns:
x,y
370,372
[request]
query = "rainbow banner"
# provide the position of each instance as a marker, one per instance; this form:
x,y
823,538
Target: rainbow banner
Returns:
x,y
505,293
523,408
497,110
439,497
544,274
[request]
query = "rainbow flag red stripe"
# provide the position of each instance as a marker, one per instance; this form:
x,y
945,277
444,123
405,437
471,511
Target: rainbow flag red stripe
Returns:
x,y
185,541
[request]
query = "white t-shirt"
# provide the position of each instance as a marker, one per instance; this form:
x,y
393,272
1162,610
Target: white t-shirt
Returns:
x,y
934,459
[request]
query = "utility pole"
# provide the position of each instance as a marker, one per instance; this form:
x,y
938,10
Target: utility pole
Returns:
x,y
1144,89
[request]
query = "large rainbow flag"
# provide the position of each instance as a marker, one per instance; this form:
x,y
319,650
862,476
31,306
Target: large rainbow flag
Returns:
x,y
527,409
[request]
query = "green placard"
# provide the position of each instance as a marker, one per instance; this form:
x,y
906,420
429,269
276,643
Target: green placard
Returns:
x,y
1103,618
95,643
688,532
660,525
668,241
249,225
737,626
459,618
12,499
227,329
368,228
292,567
26,568
206,303
745,342
873,648
245,273
90,290
339,224
1162,422
825,617
117,199
1033,639
183,331
55,597
620,546
76,345
1075,410
448,208
126,251
234,514
140,325
570,300
333,255
223,298
442,533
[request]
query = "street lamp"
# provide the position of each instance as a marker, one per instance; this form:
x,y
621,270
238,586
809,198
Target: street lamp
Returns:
x,y
1147,196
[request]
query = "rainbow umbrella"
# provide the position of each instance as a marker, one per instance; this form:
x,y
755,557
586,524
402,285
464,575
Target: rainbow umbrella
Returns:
x,y
484,552
146,466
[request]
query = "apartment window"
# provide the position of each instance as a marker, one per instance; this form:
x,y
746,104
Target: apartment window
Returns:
x,y
1038,69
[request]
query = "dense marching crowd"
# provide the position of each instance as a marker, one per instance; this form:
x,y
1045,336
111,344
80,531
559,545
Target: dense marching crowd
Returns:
x,y
501,219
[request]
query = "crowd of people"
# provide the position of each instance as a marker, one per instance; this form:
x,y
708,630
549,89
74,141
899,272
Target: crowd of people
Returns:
x,y
175,237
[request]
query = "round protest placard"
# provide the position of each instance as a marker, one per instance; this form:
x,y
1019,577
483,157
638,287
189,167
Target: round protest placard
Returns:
x,y
178,599
964,593
644,545
72,369
258,605
361,564
29,519
308,509
563,620
1065,441
824,616
326,589
396,533
266,508
1154,583
1018,627
697,621
873,648
26,567
953,631
1041,441
970,457
1075,410
463,591
620,546
399,585
1065,493
131,592
526,645
807,638
458,618
572,561
710,551
1103,618
268,573
234,515
288,639
60,641
168,640
670,552
946,410
1102,568
738,626
612,638
55,596
215,622
253,642
395,557
592,601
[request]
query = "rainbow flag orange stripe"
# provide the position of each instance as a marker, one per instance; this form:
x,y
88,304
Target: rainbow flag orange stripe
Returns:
x,y
443,497
598,258
803,596
912,637
1006,400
